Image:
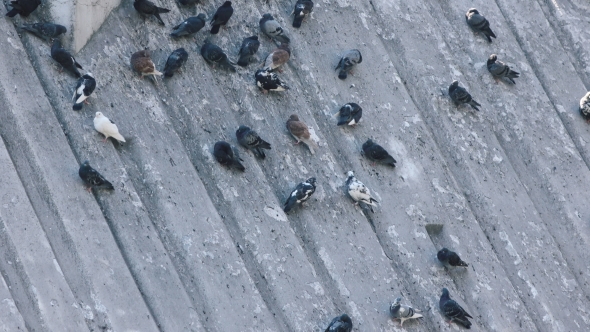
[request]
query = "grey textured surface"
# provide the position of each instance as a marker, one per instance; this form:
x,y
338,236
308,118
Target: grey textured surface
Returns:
x,y
183,244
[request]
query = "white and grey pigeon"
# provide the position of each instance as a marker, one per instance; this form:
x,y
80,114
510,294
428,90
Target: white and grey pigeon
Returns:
x,y
349,114
270,27
403,312
585,107
108,128
350,59
300,194
359,192
84,88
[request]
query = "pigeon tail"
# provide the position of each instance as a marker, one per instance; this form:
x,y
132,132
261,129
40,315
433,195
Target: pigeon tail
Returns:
x,y
342,75
243,61
227,65
260,153
236,163
297,21
168,73
289,204
463,321
118,137
12,12
157,15
215,29
162,10
474,104
78,106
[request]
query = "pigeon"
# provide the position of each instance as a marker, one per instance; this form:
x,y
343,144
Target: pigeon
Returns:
x,y
227,155
189,26
147,7
450,258
348,60
45,31
300,194
107,127
222,15
249,47
250,140
349,114
359,192
377,153
64,58
500,69
585,107
277,58
460,96
214,54
143,64
302,9
93,178
300,131
175,61
84,88
273,29
478,23
403,312
342,323
266,80
23,7
453,310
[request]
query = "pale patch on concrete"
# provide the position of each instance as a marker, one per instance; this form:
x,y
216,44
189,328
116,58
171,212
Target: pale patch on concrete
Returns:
x,y
332,271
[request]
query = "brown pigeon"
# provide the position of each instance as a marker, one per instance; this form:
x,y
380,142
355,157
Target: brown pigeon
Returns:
x,y
143,64
277,58
300,131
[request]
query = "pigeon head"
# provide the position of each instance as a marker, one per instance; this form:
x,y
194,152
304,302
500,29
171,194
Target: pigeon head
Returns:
x,y
98,115
268,16
368,144
493,58
445,292
311,181
397,301
345,318
227,4
86,163
242,129
201,16
56,43
294,117
444,251
60,29
89,75
473,10
144,53
350,174
253,37
455,83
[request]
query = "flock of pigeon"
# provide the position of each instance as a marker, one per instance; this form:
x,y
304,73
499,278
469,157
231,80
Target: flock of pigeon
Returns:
x,y
267,80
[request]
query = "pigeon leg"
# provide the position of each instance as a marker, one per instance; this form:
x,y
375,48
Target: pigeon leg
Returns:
x,y
86,102
105,139
264,91
297,143
279,70
89,189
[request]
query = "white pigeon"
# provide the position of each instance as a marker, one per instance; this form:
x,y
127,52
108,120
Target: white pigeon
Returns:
x,y
358,191
108,128
403,312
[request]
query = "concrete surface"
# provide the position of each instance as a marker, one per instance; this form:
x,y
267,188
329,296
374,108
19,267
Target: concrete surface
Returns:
x,y
183,244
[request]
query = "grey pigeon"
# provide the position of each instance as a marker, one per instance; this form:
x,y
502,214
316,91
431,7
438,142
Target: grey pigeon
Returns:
x,y
478,23
302,9
452,310
348,61
64,58
377,153
460,96
250,140
222,15
45,31
249,47
23,7
215,54
273,29
585,107
227,155
358,191
175,61
92,178
300,194
450,258
266,80
500,70
84,88
148,8
342,323
403,312
189,26
349,114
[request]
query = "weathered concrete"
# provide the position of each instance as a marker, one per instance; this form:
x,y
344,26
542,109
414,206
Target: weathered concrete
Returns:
x,y
194,246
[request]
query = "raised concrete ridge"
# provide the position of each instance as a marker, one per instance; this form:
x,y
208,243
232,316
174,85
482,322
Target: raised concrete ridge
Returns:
x,y
183,244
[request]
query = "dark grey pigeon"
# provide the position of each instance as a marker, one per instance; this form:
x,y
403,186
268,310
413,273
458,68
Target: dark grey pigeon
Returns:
x,y
300,194
460,96
215,55
501,70
452,310
188,2
403,312
45,31
349,114
189,26
92,178
348,60
84,88
64,58
302,9
273,29
585,107
377,153
23,7
450,258
342,323
222,15
250,140
175,61
148,8
478,23
227,155
249,47
266,80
